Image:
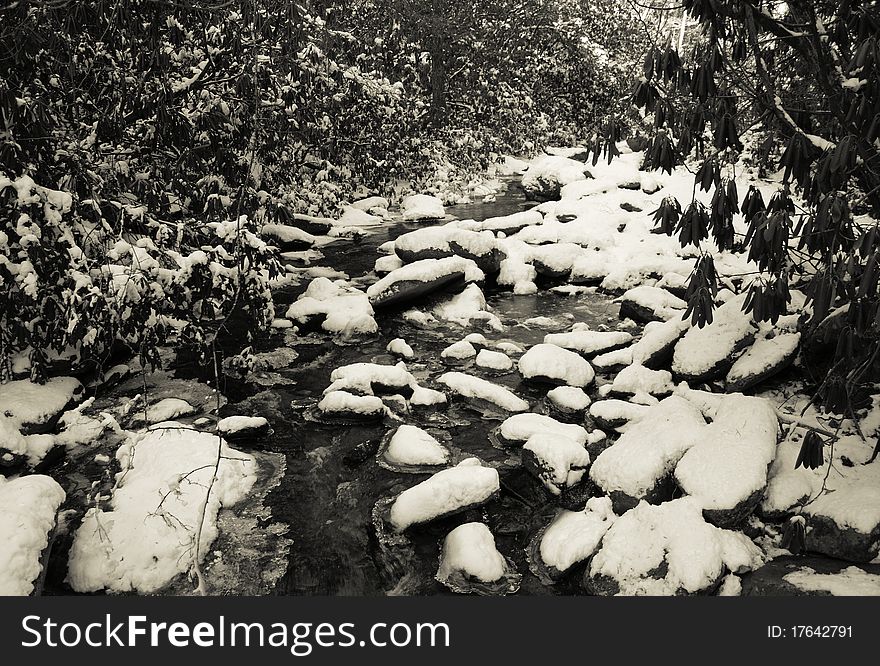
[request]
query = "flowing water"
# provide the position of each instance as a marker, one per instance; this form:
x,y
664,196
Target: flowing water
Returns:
x,y
333,481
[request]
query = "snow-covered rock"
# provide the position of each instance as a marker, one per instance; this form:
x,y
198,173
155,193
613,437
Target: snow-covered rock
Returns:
x,y
555,365
418,207
339,308
372,378
146,539
28,506
33,406
287,238
344,405
167,409
546,176
667,549
459,351
639,465
477,388
419,278
636,379
645,303
727,468
470,562
493,360
589,343
658,341
568,400
570,538
467,308
242,427
556,461
611,414
410,446
399,347
449,491
517,429
766,357
705,353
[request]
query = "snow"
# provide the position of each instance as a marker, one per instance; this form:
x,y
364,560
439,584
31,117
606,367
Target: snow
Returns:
x,y
556,364
612,359
520,427
465,307
411,445
639,379
422,207
569,398
696,553
731,586
450,490
426,270
347,311
493,360
287,235
512,222
663,304
388,263
650,448
729,463
562,461
701,350
146,538
611,411
589,343
552,172
27,403
656,336
426,397
28,506
364,377
355,217
482,389
399,347
849,582
764,354
573,536
470,549
168,409
235,424
459,351
344,402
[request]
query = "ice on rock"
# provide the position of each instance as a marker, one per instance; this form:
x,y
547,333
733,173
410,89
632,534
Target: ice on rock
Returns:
x,y
492,360
727,468
422,207
636,379
635,466
557,461
668,549
482,389
449,491
410,445
470,549
28,506
399,347
574,536
146,539
459,351
345,310
589,343
703,353
517,429
545,362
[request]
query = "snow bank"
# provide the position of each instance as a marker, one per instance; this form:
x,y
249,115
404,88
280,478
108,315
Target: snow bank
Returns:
x,y
546,362
482,389
446,492
28,506
147,537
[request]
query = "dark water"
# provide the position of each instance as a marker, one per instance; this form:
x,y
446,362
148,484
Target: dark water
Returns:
x,y
333,480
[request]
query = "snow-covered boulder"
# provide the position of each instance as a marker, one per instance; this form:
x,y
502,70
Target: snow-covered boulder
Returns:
x,y
372,379
335,307
243,427
467,308
555,260
546,176
645,303
612,361
556,461
667,550
410,447
571,537
420,207
287,238
611,414
555,365
471,564
517,429
589,343
765,358
727,468
507,224
450,240
399,347
483,390
35,407
568,401
637,379
346,406
447,492
146,539
705,353
494,360
654,349
412,281
639,465
458,352
166,409
28,506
